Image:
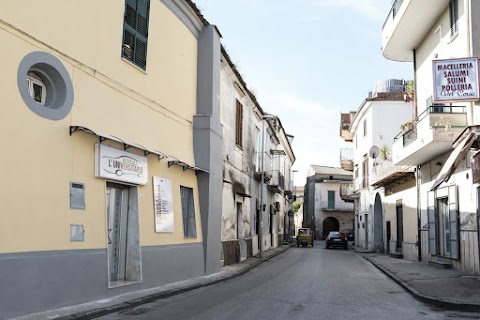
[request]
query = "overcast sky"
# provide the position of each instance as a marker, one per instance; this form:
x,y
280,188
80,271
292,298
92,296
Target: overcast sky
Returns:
x,y
307,61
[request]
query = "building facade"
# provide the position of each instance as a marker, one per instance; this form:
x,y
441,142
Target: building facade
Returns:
x,y
371,129
323,208
442,140
122,120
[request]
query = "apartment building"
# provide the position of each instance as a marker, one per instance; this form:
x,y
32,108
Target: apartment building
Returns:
x,y
441,142
378,186
255,146
118,120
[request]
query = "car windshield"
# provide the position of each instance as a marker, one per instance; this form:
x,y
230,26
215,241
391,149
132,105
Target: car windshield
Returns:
x,y
334,234
304,231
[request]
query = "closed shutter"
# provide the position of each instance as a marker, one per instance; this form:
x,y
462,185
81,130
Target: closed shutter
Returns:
x,y
239,125
432,230
453,216
135,32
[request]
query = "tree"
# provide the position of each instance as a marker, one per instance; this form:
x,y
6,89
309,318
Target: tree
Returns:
x,y
296,206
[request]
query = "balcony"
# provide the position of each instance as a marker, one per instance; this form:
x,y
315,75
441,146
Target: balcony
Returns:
x,y
346,159
277,182
346,120
336,206
430,135
288,188
403,29
360,183
346,193
389,176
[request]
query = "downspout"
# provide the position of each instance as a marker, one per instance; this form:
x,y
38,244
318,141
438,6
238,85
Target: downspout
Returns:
x,y
468,4
417,169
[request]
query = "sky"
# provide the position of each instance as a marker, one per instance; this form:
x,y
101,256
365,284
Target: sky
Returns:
x,y
307,61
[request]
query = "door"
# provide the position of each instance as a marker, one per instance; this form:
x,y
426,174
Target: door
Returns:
x,y
117,215
331,199
399,226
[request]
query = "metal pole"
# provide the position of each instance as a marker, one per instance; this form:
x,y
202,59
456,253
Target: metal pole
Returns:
x,y
260,229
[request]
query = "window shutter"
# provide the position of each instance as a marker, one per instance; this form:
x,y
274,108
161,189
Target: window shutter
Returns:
x,y
239,125
135,32
453,217
432,230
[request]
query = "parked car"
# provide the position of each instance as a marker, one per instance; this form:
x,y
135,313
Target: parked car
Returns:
x,y
351,235
336,239
304,237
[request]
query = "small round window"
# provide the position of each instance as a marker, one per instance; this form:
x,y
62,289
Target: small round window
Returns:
x,y
45,85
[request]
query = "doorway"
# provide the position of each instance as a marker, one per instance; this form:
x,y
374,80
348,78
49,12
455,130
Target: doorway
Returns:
x,y
399,226
330,224
122,234
378,224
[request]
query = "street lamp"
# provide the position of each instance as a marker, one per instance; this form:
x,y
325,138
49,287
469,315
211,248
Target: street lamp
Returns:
x,y
262,165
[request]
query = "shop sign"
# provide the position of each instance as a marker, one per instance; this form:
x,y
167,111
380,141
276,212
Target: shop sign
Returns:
x,y
115,164
455,80
163,204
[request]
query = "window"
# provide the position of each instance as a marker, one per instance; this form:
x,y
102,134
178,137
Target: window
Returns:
x,y
36,88
364,128
239,125
331,199
453,9
188,212
135,32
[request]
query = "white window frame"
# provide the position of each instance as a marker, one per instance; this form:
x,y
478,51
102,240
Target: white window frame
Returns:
x,y
31,80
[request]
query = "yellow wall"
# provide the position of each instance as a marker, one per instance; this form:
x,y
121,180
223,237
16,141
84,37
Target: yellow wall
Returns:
x,y
38,156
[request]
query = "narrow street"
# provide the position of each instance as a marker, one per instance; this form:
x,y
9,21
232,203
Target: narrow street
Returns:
x,y
302,283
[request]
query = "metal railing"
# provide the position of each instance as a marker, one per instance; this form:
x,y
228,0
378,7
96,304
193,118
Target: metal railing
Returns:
x,y
336,205
439,116
393,11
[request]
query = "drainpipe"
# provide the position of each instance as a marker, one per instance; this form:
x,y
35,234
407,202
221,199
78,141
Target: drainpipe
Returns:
x,y
419,214
468,9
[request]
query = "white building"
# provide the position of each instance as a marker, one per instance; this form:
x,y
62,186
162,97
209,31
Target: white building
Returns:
x,y
323,209
439,38
372,129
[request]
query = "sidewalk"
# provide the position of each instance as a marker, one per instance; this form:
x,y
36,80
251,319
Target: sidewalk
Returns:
x,y
447,288
130,300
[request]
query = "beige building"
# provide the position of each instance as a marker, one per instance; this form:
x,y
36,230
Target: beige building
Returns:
x,y
110,149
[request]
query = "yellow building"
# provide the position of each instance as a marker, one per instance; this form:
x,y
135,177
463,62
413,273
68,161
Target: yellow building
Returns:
x,y
109,126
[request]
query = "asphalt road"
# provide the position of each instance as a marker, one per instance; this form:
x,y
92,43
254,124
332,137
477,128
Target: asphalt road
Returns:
x,y
303,283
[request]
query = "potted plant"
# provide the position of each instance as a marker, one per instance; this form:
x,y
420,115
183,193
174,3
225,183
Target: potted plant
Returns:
x,y
384,152
407,126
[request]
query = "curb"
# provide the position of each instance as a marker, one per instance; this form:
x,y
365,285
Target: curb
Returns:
x,y
99,312
457,306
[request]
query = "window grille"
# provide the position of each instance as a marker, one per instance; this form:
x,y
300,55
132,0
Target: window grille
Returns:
x,y
453,9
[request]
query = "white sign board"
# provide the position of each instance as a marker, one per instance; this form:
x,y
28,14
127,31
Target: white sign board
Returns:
x,y
115,164
455,80
163,204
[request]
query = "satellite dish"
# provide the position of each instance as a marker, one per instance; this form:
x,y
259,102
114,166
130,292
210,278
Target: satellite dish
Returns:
x,y
373,153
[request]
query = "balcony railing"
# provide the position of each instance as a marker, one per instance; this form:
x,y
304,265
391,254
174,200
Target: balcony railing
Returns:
x,y
393,11
438,117
429,135
346,159
359,183
346,192
384,169
336,206
277,182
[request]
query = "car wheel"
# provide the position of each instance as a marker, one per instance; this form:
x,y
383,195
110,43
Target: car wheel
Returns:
x,y
346,247
304,244
326,247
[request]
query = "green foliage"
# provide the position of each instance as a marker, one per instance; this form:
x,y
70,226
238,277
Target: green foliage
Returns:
x,y
384,152
296,205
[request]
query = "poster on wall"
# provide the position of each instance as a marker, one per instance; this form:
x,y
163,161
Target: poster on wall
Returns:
x,y
163,204
455,80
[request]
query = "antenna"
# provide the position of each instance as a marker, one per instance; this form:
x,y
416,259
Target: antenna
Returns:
x,y
373,152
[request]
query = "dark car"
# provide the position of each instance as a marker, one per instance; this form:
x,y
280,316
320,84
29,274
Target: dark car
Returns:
x,y
351,235
336,239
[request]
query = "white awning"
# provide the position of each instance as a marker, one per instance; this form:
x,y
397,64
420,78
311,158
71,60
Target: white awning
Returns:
x,y
126,145
454,159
